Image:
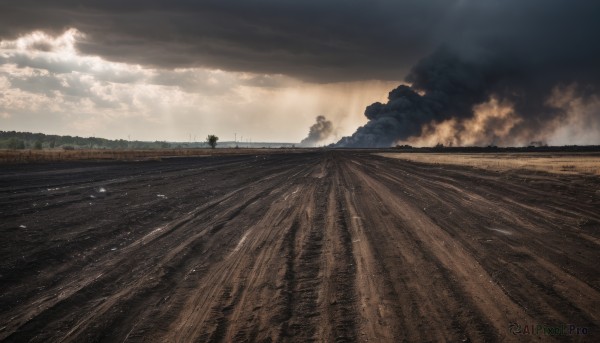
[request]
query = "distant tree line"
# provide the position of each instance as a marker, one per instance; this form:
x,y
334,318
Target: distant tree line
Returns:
x,y
28,140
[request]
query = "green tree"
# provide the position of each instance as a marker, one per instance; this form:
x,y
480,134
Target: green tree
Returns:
x,y
15,143
37,145
212,140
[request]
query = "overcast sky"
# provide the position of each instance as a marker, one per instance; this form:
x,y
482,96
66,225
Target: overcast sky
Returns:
x,y
162,70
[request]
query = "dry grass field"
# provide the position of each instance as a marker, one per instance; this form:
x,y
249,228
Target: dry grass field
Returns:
x,y
51,155
557,163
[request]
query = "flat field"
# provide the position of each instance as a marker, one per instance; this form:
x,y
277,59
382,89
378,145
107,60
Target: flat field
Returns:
x,y
55,155
319,246
557,163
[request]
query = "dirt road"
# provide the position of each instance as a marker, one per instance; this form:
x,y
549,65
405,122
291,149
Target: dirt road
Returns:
x,y
321,246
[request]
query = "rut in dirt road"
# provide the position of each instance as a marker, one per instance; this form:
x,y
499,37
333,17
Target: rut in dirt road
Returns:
x,y
321,246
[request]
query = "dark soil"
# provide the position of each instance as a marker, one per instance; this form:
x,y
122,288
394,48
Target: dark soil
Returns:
x,y
319,246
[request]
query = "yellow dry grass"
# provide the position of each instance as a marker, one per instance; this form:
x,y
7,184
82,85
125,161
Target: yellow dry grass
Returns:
x,y
558,163
47,155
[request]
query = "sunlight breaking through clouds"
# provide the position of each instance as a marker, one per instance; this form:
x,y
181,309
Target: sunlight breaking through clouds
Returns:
x,y
48,85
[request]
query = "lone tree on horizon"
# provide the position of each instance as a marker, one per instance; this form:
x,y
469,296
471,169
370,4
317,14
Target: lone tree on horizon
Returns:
x,y
212,140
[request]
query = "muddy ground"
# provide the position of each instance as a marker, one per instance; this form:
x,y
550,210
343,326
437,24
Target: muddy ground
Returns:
x,y
322,246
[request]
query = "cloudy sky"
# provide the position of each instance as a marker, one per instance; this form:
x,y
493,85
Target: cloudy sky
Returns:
x,y
162,70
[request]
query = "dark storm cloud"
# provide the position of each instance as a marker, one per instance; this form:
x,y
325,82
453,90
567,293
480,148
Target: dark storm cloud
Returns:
x,y
313,40
456,53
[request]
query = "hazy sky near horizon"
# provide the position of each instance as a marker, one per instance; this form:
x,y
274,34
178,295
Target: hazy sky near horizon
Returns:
x,y
264,69
49,86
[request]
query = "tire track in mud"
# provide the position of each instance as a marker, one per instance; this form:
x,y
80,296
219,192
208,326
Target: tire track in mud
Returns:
x,y
73,217
242,265
378,318
310,268
411,272
298,226
526,268
530,247
338,294
222,310
332,246
405,271
144,249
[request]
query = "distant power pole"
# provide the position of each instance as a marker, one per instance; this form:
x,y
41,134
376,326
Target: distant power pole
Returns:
x,y
235,137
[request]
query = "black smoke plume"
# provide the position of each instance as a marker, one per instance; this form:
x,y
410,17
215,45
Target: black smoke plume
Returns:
x,y
443,87
447,85
318,132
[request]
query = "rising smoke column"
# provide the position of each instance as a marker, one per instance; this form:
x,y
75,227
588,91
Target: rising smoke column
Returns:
x,y
318,132
447,85
443,87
